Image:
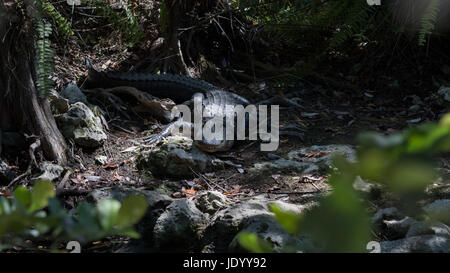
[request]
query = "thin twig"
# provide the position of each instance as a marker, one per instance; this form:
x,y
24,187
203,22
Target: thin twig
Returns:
x,y
28,172
123,129
32,149
297,192
247,146
207,180
63,182
32,163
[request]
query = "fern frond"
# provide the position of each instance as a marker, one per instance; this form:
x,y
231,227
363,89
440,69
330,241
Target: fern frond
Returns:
x,y
44,58
62,24
428,21
129,27
357,16
128,12
20,7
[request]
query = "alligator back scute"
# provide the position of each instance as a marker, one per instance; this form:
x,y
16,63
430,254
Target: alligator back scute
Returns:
x,y
176,87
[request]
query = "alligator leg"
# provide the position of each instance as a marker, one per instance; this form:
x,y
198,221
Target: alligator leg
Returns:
x,y
169,130
165,116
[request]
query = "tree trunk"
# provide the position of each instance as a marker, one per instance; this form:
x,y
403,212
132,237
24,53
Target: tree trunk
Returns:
x,y
21,108
184,21
174,62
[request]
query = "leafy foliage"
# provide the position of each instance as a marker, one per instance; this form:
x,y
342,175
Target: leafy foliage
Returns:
x,y
44,52
62,24
24,215
429,20
345,19
292,19
402,162
129,27
356,20
44,57
253,243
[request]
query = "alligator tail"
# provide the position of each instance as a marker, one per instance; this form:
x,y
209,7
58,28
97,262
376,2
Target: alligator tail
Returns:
x,y
176,87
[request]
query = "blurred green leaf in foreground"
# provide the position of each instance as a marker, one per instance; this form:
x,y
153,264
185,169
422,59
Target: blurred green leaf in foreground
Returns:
x,y
36,212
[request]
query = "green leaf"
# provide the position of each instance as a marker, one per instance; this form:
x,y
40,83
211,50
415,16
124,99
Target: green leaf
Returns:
x,y
380,141
23,196
288,220
5,206
55,208
411,176
340,223
129,232
253,243
426,137
132,210
87,225
42,191
108,210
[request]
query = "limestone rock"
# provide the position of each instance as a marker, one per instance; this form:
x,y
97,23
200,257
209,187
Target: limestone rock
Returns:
x,y
58,104
424,243
212,201
177,157
179,225
322,156
282,163
439,210
157,202
50,171
81,125
253,215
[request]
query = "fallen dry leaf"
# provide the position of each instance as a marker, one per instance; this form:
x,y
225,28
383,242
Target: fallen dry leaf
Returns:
x,y
110,165
319,153
122,139
117,177
228,192
190,193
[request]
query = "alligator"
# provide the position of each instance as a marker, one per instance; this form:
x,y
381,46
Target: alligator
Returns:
x,y
181,89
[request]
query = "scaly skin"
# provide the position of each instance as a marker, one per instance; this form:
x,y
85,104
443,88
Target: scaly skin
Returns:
x,y
179,88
